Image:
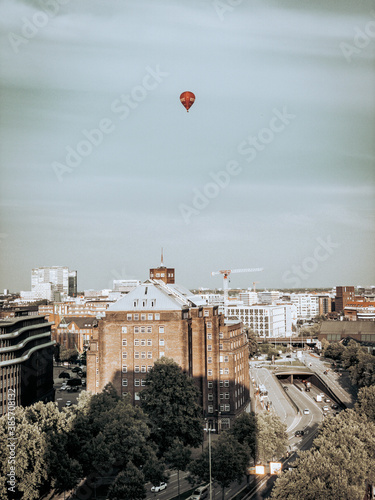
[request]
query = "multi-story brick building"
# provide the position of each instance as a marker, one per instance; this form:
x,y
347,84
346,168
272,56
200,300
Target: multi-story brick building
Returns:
x,y
26,361
75,332
158,319
344,294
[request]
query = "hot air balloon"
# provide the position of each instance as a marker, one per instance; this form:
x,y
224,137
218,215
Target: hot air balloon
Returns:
x,y
187,99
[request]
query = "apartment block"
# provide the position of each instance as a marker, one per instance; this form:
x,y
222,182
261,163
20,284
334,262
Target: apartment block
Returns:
x,y
307,305
26,361
64,281
158,319
264,320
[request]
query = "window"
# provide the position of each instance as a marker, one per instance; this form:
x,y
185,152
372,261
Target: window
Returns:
x,y
97,359
97,371
136,341
149,355
124,369
149,329
161,329
143,316
226,359
136,317
124,382
209,336
161,354
210,397
137,382
161,341
221,347
124,329
221,407
143,329
129,317
209,359
136,329
221,383
226,383
143,341
227,407
136,355
124,342
206,312
209,347
210,384
209,324
143,354
227,395
124,355
157,315
210,409
209,373
97,383
136,369
221,335
149,341
143,382
150,317
221,371
149,368
143,368
221,359
135,303
221,396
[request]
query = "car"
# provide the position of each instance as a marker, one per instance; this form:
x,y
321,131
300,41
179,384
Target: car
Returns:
x,y
64,387
68,403
306,411
285,388
160,487
325,408
327,400
335,407
288,356
299,433
76,369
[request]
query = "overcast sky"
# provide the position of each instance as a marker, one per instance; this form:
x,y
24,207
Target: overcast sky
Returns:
x,y
272,167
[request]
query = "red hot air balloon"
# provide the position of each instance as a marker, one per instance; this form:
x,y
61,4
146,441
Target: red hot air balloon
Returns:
x,y
187,99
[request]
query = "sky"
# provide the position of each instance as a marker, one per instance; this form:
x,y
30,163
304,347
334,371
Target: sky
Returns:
x,y
272,167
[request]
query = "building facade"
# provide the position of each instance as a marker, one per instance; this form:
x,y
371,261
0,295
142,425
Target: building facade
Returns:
x,y
264,320
64,281
344,294
26,361
159,319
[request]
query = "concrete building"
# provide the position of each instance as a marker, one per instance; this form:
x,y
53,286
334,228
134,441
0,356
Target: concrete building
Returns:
x,y
248,298
158,319
307,305
26,361
268,297
125,285
65,281
265,320
41,291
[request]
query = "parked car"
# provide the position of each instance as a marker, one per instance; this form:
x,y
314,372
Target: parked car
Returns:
x,y
68,403
299,433
76,369
285,388
325,408
335,407
160,487
327,400
306,411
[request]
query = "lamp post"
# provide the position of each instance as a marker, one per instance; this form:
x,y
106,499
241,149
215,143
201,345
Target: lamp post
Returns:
x,y
209,430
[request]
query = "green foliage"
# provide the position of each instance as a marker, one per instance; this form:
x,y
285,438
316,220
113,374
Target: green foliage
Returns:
x,y
170,401
129,483
244,431
341,460
365,404
271,437
252,341
70,355
334,351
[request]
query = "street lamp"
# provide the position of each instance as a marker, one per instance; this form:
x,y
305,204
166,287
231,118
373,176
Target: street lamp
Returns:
x,y
209,430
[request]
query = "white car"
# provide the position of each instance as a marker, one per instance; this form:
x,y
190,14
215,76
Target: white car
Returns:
x,y
162,486
325,408
306,411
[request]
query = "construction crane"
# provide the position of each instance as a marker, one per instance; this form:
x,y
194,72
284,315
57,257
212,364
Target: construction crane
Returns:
x,y
226,274
254,283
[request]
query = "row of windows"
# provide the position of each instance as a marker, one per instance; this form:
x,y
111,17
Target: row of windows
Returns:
x,y
209,336
143,316
222,371
209,347
223,383
142,329
222,396
142,342
222,408
137,382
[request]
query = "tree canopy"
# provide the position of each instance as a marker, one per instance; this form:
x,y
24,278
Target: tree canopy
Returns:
x,y
170,400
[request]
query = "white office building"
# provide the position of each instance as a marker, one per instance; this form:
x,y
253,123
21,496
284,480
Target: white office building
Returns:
x,y
60,277
268,297
248,298
307,305
265,320
41,291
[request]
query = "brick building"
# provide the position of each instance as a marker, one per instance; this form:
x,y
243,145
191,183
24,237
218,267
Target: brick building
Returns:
x,y
344,294
75,332
157,319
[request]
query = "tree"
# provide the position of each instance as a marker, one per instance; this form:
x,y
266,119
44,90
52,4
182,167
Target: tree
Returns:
x,y
170,401
178,457
341,460
252,341
129,483
362,371
365,404
334,351
271,437
229,460
244,431
64,375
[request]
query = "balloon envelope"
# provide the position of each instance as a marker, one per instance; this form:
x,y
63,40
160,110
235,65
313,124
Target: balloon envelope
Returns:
x,y
187,99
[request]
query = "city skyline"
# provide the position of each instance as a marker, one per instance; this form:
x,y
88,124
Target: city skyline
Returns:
x,y
272,167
